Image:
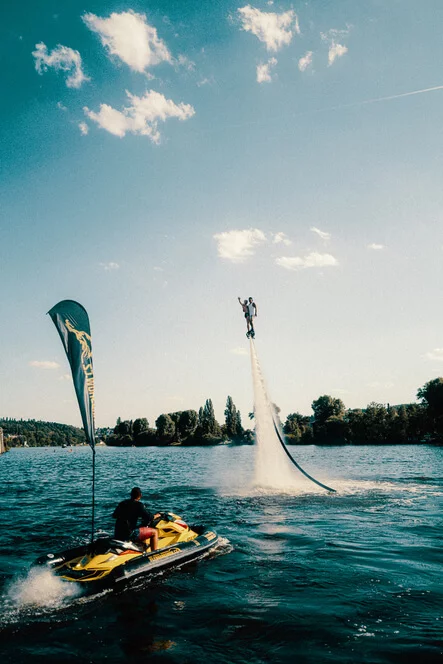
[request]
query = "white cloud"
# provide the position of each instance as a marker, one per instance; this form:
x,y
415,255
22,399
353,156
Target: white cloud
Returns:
x,y
274,30
237,246
281,238
376,247
313,259
110,266
436,354
323,234
239,351
84,129
305,61
336,50
61,106
141,117
61,58
264,71
44,364
129,36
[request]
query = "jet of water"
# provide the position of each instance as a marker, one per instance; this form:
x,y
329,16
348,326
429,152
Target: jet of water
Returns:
x,y
273,469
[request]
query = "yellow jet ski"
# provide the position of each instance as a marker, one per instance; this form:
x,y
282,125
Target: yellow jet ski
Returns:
x,y
108,560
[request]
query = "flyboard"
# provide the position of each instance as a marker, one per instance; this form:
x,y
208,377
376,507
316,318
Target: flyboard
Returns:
x,y
279,436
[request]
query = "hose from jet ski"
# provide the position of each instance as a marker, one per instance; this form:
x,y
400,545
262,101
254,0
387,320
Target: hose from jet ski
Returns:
x,y
277,431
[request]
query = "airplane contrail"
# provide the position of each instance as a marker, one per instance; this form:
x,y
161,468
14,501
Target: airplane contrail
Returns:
x,y
326,109
378,99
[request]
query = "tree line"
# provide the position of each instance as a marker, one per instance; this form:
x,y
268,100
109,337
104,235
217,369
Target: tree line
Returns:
x,y
35,433
331,423
184,427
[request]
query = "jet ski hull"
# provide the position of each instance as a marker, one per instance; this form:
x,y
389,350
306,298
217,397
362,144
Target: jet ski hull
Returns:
x,y
111,562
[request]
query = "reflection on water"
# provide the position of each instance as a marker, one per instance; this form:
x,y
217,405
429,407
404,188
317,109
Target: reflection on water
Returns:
x,y
298,576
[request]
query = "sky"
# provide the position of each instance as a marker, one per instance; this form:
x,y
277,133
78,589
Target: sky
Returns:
x,y
160,159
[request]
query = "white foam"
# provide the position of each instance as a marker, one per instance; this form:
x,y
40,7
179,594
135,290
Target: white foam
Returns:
x,y
40,588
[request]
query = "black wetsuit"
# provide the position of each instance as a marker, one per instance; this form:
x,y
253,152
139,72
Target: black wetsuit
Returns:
x,y
127,514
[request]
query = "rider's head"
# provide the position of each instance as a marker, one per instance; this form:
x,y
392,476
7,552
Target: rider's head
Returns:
x,y
250,299
136,493
245,302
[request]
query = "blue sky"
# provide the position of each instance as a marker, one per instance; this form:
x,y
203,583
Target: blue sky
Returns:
x,y
160,159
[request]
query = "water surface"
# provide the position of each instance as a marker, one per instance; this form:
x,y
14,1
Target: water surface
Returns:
x,y
300,576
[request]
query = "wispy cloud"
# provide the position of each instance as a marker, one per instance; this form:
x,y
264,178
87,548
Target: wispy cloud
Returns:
x,y
184,61
205,81
323,234
376,247
239,351
281,238
313,259
376,384
129,37
274,30
141,117
305,61
110,266
61,58
264,71
61,106
237,246
436,354
44,364
64,377
84,129
336,50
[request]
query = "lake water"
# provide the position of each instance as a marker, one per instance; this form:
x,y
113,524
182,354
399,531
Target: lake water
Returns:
x,y
300,576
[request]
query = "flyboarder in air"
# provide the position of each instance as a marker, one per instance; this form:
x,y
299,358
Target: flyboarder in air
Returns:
x,y
250,311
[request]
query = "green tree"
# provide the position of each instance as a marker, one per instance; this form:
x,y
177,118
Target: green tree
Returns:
x,y
431,396
123,428
356,426
419,424
188,423
165,428
140,424
327,406
376,423
239,426
209,424
231,419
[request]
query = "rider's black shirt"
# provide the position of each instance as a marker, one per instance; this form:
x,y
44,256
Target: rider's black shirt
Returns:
x,y
127,514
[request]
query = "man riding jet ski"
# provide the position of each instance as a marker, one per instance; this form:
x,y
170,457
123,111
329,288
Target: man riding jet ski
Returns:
x,y
127,514
112,560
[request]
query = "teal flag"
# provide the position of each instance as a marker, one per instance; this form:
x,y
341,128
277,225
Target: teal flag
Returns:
x,y
72,323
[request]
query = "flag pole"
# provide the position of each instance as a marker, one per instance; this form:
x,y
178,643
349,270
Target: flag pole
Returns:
x,y
93,495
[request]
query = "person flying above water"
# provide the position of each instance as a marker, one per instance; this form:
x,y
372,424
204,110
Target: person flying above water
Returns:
x,y
250,311
127,514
